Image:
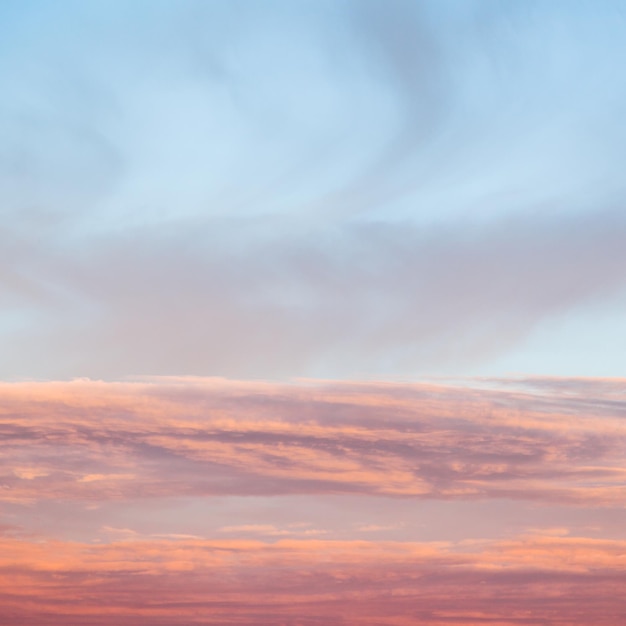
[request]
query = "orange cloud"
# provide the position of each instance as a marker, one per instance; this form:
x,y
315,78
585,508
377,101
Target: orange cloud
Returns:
x,y
109,441
531,580
90,460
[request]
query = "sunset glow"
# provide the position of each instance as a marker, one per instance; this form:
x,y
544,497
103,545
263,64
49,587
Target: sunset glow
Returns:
x,y
210,501
312,313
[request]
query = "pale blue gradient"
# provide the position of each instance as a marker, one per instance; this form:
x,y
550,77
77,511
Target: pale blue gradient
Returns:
x,y
312,188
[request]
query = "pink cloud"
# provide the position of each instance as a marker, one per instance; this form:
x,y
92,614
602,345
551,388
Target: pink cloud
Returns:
x,y
205,501
110,441
529,580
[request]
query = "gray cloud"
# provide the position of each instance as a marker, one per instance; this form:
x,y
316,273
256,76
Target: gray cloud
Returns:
x,y
230,297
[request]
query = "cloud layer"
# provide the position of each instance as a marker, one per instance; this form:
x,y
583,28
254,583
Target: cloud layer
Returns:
x,y
207,501
87,440
529,580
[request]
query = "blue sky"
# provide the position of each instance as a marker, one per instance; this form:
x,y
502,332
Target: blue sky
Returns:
x,y
330,189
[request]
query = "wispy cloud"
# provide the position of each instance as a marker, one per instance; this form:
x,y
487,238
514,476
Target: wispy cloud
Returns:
x,y
103,441
218,297
324,189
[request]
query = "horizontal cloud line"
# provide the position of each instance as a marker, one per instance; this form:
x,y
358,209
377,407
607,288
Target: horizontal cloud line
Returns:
x,y
106,441
531,579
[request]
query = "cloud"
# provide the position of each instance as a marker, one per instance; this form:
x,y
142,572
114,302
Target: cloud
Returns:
x,y
269,530
530,580
220,298
211,501
97,442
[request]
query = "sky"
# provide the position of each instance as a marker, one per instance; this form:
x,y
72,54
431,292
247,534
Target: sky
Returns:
x,y
312,312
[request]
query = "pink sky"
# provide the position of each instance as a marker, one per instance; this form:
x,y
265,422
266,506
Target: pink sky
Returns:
x,y
189,500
